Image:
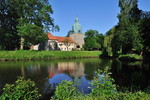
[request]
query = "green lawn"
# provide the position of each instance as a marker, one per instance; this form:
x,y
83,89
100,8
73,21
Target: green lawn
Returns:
x,y
35,55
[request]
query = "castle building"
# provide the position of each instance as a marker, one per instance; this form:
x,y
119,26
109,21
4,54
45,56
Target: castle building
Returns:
x,y
55,43
74,41
77,35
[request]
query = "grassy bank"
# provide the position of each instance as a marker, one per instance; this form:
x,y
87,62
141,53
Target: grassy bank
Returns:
x,y
130,57
35,55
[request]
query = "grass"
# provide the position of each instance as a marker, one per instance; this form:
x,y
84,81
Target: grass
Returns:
x,y
35,55
130,57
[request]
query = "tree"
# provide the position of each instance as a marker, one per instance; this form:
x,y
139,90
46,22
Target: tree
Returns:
x,y
29,32
69,32
99,40
93,40
127,29
8,21
145,32
35,12
67,43
21,13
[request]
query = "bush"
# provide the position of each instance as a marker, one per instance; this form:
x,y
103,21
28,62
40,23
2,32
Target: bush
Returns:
x,y
102,84
65,90
21,90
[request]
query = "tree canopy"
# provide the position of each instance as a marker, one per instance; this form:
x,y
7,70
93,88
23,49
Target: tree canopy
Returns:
x,y
93,40
131,32
25,21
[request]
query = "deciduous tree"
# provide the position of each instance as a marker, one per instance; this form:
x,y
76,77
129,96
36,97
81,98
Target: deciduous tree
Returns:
x,y
93,40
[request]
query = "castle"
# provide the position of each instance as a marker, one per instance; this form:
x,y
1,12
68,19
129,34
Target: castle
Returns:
x,y
74,41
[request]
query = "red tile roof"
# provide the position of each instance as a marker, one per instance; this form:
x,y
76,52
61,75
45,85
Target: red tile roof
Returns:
x,y
59,39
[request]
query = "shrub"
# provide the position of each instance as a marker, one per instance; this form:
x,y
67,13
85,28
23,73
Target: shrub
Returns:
x,y
102,84
21,90
65,90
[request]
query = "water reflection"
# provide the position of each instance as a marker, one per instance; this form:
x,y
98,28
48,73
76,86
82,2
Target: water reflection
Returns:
x,y
70,68
47,74
133,75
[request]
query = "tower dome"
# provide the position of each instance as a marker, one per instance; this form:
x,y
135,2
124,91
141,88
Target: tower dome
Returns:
x,y
76,28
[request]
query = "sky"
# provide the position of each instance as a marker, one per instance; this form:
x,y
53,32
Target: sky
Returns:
x,y
100,15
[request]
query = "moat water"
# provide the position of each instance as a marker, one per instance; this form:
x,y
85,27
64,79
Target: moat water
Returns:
x,y
47,74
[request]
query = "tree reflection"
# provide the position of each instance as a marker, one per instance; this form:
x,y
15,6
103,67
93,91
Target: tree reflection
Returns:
x,y
132,75
47,74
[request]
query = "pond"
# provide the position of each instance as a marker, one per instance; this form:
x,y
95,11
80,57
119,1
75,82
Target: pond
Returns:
x,y
47,74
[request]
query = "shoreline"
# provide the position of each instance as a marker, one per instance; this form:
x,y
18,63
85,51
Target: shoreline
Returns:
x,y
5,60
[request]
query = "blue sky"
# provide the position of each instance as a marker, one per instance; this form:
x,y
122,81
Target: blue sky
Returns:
x,y
100,15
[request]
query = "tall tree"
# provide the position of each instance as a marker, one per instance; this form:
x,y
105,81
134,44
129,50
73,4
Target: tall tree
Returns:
x,y
93,40
145,32
8,22
128,30
27,14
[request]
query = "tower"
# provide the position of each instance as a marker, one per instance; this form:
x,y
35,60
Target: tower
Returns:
x,y
77,34
77,28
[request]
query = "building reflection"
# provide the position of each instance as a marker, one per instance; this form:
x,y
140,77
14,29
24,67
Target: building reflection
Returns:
x,y
74,70
70,68
56,72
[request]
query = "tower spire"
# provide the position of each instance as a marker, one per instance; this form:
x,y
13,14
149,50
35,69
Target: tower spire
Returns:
x,y
76,28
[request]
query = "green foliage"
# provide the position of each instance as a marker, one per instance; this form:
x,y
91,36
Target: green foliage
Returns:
x,y
102,84
93,40
107,45
125,36
8,23
130,57
147,90
104,52
145,32
26,18
29,31
21,90
69,32
131,96
65,90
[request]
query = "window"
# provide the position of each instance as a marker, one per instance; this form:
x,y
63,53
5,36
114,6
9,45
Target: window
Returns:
x,y
60,44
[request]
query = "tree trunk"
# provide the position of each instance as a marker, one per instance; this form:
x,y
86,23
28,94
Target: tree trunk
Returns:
x,y
22,43
141,54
